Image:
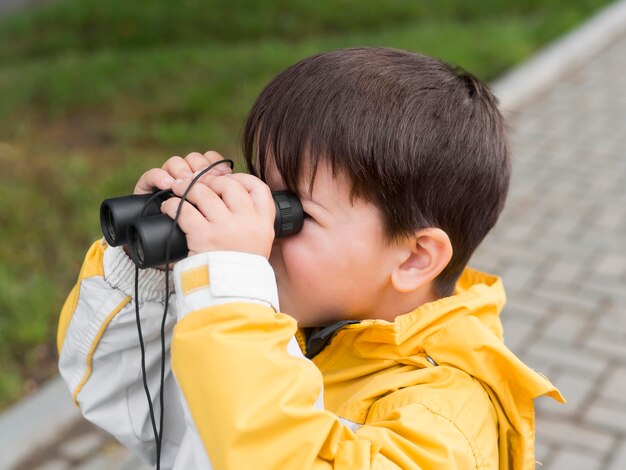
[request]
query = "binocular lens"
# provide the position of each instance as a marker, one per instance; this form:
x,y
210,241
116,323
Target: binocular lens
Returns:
x,y
137,247
116,214
150,239
109,227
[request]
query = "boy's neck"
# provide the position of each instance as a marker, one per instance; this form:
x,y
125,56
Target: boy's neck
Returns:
x,y
402,303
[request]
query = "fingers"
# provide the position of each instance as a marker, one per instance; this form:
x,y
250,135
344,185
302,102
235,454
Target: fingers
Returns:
x,y
177,168
163,178
189,220
207,201
238,193
154,178
260,193
222,169
198,162
228,213
181,168
234,195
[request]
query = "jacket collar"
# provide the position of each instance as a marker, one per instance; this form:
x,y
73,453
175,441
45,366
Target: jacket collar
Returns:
x,y
474,291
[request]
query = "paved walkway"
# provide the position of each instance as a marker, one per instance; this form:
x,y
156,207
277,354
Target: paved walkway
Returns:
x,y
561,249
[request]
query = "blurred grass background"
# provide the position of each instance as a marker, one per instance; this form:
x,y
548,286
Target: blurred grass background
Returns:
x,y
93,93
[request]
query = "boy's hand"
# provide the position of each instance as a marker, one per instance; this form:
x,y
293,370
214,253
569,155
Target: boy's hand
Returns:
x,y
179,168
234,212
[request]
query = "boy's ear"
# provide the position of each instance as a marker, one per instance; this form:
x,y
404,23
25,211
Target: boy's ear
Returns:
x,y
427,253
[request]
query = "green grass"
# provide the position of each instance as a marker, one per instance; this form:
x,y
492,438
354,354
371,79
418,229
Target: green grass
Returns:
x,y
92,93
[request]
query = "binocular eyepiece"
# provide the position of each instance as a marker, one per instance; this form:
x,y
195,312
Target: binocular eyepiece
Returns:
x,y
137,222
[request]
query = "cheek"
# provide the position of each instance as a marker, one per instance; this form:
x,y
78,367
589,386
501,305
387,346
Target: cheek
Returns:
x,y
313,261
302,255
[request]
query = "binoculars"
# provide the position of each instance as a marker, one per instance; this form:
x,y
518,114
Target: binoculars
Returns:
x,y
137,222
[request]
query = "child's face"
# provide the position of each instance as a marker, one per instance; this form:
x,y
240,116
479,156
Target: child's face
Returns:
x,y
338,266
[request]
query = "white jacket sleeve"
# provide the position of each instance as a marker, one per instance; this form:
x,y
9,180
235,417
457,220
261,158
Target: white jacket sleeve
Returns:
x,y
100,356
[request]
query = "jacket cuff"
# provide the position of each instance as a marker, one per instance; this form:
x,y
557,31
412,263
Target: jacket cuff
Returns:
x,y
219,277
119,271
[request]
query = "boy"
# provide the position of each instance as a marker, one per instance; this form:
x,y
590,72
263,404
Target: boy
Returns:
x,y
402,166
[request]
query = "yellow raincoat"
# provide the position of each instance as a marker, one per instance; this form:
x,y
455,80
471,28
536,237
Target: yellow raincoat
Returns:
x,y
435,389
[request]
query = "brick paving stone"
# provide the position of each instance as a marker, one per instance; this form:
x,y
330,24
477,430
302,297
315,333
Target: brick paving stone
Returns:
x,y
544,353
564,248
134,463
607,288
516,331
562,432
505,253
523,233
56,464
612,264
517,277
97,462
565,224
597,241
607,344
606,413
528,306
618,460
567,298
563,270
615,386
566,326
486,262
568,459
113,456
543,453
81,447
612,319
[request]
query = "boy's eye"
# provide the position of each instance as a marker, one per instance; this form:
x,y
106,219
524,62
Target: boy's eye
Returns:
x,y
307,216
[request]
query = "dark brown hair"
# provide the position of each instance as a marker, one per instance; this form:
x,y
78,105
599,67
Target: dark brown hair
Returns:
x,y
421,140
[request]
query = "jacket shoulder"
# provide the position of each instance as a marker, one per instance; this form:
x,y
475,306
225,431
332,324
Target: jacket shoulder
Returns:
x,y
461,404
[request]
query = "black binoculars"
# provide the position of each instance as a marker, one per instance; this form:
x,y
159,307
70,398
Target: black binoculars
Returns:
x,y
137,222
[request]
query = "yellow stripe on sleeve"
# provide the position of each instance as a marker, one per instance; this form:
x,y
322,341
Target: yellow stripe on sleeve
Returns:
x,y
92,266
92,349
194,279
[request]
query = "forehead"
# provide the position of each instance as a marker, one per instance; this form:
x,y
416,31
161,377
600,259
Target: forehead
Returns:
x,y
321,182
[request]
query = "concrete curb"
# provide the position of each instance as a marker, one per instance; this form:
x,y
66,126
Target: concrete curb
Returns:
x,y
35,422
527,82
38,419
